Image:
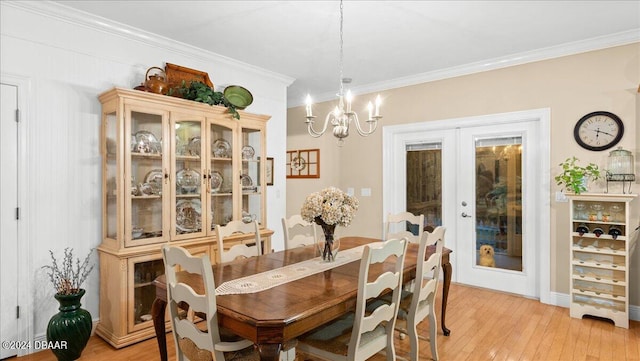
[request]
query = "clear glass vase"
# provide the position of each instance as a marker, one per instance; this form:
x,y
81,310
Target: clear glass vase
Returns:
x,y
329,246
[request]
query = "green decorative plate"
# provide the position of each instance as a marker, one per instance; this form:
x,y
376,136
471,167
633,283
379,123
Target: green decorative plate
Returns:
x,y
238,96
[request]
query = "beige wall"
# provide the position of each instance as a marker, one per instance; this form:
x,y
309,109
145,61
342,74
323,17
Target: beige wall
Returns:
x,y
570,86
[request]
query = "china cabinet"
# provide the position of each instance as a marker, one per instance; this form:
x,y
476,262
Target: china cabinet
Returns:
x,y
603,230
172,170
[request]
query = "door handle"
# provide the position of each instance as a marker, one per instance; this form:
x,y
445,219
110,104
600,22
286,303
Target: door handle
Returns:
x,y
465,215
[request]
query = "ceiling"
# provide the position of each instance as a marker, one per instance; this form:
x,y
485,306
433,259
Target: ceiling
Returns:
x,y
383,40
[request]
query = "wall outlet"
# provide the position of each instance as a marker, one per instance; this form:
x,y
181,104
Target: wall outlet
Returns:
x,y
561,197
350,191
365,192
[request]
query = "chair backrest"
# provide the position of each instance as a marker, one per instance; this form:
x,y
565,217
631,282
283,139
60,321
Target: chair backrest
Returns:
x,y
242,250
396,226
428,272
298,232
367,325
186,333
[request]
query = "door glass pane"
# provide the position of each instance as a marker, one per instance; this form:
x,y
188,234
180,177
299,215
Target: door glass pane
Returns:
x,y
499,202
424,183
146,176
251,175
221,175
144,292
189,151
111,174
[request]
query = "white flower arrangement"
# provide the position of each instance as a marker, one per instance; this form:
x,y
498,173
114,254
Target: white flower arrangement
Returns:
x,y
331,206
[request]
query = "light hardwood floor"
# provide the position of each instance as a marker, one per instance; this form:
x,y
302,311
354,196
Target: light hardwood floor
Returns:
x,y
485,325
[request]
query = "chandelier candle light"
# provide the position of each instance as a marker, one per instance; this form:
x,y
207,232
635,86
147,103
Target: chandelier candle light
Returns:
x,y
341,117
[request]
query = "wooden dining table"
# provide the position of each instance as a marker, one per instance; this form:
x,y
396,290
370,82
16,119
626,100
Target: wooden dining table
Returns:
x,y
277,316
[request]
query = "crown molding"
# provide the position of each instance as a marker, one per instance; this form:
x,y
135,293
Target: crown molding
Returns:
x,y
81,18
73,16
557,51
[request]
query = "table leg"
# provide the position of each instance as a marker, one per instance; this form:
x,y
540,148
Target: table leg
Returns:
x,y
157,313
269,351
446,270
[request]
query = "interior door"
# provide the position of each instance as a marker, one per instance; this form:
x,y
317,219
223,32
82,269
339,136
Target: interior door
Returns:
x,y
8,221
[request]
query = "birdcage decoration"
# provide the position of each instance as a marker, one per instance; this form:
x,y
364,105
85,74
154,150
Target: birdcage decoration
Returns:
x,y
620,168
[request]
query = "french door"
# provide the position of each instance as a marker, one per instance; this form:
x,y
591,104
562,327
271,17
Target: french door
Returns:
x,y
482,180
496,203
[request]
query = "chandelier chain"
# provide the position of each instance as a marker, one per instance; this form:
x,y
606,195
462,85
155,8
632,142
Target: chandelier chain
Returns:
x,y
341,50
343,115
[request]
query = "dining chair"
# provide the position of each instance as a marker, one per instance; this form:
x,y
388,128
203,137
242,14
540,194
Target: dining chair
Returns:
x,y
419,304
298,232
240,250
199,339
404,220
361,334
401,225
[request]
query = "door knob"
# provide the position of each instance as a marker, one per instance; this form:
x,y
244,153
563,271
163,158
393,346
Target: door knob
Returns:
x,y
465,215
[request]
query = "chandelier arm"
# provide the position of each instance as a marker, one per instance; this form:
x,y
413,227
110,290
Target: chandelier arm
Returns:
x,y
314,133
372,128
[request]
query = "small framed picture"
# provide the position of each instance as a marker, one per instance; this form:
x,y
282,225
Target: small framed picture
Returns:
x,y
269,171
303,163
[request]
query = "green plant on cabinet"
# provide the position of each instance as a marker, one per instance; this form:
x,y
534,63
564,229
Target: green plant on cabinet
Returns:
x,y
574,177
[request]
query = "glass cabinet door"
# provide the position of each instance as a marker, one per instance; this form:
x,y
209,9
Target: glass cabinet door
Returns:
x,y
147,185
190,182
221,174
142,271
252,175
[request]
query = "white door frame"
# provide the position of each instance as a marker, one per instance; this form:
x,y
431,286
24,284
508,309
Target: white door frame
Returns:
x,y
25,264
394,141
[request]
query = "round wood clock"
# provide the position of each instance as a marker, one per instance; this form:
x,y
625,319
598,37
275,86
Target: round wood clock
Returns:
x,y
598,131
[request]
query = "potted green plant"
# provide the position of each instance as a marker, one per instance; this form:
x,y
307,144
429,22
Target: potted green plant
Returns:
x,y
200,92
574,178
69,330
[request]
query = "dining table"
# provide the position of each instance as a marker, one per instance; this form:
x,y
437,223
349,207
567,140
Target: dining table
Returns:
x,y
273,318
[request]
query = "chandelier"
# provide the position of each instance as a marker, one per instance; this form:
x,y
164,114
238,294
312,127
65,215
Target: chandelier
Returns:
x,y
342,116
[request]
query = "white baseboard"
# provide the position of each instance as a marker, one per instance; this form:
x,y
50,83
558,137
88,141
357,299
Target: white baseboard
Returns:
x,y
559,299
562,300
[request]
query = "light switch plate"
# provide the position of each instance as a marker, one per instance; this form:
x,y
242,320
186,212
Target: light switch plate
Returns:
x,y
365,192
350,191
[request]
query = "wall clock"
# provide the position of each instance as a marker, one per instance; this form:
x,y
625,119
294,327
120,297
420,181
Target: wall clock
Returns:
x,y
598,131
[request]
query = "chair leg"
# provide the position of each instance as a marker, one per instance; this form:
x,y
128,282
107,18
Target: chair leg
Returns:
x,y
433,332
391,347
413,340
